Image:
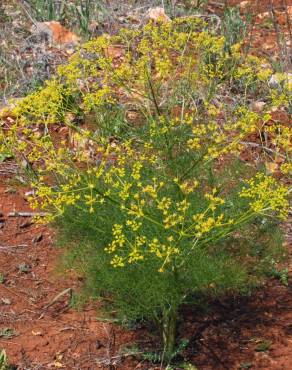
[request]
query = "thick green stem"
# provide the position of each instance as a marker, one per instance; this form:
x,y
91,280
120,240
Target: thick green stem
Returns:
x,y
169,322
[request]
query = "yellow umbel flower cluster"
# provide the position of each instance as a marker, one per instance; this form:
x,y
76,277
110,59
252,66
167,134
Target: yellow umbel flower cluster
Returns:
x,y
267,195
156,170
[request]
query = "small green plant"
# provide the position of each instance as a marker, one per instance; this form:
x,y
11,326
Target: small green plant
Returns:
x,y
3,360
267,23
246,365
47,10
77,14
7,333
83,12
158,356
3,16
234,28
263,345
281,275
2,278
182,8
183,366
188,366
5,155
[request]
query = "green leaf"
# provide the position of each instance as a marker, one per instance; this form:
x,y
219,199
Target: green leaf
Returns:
x,y
5,155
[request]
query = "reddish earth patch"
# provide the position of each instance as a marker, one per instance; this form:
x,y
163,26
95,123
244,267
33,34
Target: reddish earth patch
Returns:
x,y
263,39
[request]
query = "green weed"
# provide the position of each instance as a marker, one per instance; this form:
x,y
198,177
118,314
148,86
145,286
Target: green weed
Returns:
x,y
234,28
3,360
7,333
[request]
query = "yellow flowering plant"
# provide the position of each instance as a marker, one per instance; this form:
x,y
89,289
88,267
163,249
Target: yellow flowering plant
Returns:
x,y
148,193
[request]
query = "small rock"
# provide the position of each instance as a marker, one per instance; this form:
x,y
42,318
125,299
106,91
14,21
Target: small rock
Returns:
x,y
55,33
114,52
244,4
24,268
263,15
6,301
158,15
258,106
271,167
37,333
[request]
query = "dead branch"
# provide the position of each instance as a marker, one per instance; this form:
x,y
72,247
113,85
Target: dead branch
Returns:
x,y
27,214
58,296
256,145
9,247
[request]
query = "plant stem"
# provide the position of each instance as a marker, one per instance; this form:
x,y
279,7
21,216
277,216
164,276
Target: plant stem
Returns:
x,y
153,94
169,322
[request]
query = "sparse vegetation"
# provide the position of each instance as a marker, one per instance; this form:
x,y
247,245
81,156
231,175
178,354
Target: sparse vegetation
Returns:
x,y
3,360
235,29
7,333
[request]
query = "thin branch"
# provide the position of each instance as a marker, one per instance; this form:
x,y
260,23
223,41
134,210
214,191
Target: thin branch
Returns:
x,y
153,94
256,145
27,214
10,247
